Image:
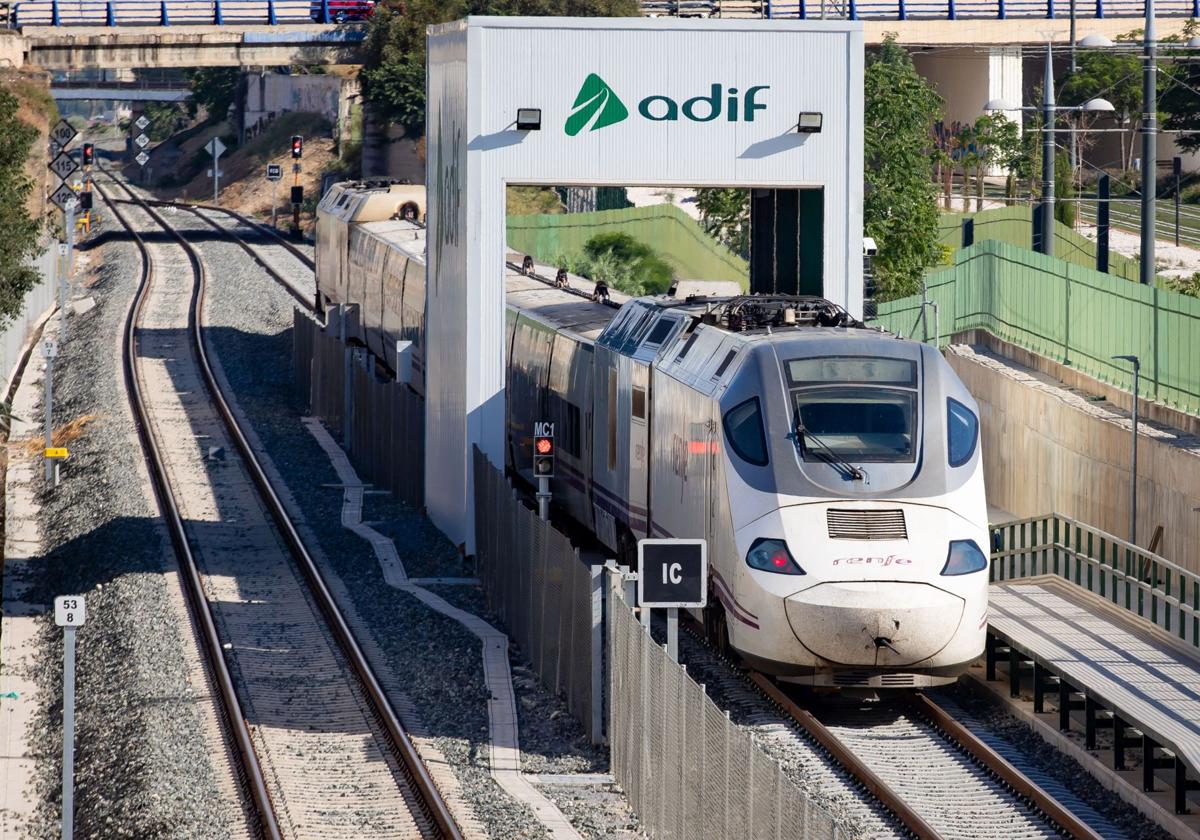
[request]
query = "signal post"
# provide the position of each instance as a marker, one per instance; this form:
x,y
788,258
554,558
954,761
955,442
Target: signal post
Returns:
x,y
543,464
297,189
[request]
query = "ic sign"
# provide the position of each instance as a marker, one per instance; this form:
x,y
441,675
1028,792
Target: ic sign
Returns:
x,y
672,573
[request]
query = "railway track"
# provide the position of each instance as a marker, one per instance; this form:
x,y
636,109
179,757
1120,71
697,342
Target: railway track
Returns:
x,y
321,752
280,259
932,773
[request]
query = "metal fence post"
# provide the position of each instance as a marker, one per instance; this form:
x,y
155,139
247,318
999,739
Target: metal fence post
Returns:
x,y
597,582
347,394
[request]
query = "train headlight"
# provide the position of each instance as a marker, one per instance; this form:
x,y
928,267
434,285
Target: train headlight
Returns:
x,y
772,556
964,558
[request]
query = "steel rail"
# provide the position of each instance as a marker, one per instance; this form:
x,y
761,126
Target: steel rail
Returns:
x,y
842,754
429,795
245,220
240,730
1000,767
277,276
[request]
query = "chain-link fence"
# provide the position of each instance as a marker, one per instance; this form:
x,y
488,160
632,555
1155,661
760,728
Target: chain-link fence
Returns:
x,y
386,418
545,595
689,771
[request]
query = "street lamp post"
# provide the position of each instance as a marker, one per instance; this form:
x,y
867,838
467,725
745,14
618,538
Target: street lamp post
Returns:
x,y
1149,150
1049,110
1133,476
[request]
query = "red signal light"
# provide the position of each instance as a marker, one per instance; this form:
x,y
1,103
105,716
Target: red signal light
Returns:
x,y
297,146
543,446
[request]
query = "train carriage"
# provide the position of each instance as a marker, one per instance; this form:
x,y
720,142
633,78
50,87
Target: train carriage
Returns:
x,y
833,469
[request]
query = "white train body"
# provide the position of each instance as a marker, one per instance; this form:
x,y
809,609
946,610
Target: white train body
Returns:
x,y
834,471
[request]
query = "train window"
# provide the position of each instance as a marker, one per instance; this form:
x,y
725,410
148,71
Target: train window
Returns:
x,y
574,438
612,420
687,345
855,423
637,331
638,403
744,430
963,432
870,370
724,364
660,331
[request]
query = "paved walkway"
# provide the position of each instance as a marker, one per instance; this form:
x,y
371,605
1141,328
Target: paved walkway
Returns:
x,y
1151,678
18,632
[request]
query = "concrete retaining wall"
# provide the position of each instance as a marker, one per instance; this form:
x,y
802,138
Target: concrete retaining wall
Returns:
x,y
1048,448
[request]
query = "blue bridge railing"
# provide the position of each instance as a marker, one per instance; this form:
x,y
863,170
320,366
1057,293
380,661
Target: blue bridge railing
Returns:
x,y
916,9
190,12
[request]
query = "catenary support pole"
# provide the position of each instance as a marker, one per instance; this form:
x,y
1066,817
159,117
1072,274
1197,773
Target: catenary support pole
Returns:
x,y
1048,112
1149,152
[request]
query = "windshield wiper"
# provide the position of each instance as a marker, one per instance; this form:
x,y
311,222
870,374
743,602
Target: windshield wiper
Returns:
x,y
826,454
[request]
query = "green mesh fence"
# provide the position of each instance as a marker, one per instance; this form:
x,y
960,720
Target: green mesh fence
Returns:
x,y
676,236
1074,315
1014,225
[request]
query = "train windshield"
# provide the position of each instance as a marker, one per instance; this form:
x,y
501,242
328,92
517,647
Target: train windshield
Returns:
x,y
854,408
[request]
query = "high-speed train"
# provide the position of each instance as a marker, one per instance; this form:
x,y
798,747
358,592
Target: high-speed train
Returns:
x,y
834,470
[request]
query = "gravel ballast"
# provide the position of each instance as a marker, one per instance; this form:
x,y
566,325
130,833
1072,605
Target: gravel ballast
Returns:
x,y
142,766
436,661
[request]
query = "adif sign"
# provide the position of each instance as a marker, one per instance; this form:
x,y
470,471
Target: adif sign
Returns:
x,y
623,101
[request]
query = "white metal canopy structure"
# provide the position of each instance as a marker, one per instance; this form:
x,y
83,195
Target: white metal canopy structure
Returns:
x,y
622,101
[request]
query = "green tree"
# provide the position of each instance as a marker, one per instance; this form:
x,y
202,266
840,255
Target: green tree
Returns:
x,y
1115,75
997,144
725,215
18,230
900,199
1065,206
215,88
1179,100
393,73
165,119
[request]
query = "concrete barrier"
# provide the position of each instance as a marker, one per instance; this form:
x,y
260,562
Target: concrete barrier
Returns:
x,y
1047,447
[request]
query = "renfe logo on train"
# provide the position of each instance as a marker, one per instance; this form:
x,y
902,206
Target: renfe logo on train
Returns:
x,y
597,105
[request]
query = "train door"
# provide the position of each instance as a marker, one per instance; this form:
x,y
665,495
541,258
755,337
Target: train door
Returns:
x,y
639,448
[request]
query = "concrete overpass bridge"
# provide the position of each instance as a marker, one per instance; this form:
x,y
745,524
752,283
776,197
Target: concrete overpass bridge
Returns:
x,y
228,45
158,91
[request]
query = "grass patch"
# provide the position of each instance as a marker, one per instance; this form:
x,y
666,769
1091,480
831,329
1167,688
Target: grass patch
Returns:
x,y
63,435
532,201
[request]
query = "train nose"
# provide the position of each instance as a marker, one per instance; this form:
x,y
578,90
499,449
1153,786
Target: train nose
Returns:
x,y
874,623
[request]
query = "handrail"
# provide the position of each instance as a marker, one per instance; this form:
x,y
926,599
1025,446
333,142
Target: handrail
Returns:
x,y
922,9
1146,584
115,13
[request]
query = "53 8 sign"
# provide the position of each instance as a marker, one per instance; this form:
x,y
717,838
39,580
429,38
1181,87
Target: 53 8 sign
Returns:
x,y
70,610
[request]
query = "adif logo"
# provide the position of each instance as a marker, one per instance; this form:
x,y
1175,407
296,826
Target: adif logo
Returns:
x,y
597,105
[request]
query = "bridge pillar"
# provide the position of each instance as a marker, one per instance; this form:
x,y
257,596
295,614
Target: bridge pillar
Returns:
x,y
966,78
